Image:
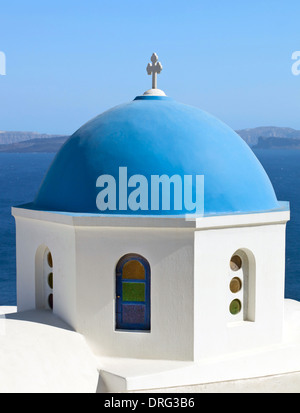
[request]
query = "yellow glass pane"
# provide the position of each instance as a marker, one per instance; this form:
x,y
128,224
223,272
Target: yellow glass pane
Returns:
x,y
133,270
235,285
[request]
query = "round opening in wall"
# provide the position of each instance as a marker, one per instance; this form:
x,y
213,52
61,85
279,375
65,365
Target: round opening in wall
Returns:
x,y
235,307
235,285
235,263
49,259
50,280
50,301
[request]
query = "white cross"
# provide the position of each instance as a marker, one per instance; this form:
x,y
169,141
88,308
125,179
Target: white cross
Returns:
x,y
153,69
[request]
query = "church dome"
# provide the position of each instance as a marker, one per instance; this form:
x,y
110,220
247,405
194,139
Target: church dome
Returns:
x,y
155,135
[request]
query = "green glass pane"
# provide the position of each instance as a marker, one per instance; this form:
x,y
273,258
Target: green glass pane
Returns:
x,y
235,307
50,280
133,291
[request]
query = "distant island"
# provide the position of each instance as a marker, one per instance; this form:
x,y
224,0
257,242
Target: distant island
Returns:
x,y
271,137
266,137
21,142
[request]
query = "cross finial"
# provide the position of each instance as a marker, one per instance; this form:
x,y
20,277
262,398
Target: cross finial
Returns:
x,y
153,69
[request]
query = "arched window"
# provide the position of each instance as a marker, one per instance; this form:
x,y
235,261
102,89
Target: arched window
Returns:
x,y
242,285
44,278
133,293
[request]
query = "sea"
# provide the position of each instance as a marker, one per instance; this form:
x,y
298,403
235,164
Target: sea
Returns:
x,y
21,175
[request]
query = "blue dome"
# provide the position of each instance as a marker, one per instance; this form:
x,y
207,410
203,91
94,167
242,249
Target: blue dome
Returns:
x,y
155,135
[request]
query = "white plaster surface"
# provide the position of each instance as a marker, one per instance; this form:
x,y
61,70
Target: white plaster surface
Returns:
x,y
282,383
39,353
270,366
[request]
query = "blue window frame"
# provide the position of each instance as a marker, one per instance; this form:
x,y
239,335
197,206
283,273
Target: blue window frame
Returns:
x,y
133,293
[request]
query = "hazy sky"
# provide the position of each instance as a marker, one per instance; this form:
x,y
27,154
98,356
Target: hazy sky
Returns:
x,y
69,60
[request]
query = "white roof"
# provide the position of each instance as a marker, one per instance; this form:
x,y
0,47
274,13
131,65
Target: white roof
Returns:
x,y
41,353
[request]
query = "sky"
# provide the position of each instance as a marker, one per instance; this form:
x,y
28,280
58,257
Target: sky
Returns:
x,y
69,60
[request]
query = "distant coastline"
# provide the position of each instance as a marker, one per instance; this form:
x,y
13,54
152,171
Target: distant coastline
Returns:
x,y
271,137
32,142
44,145
266,137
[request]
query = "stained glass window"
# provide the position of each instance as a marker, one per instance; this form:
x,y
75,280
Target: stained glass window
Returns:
x,y
133,293
47,281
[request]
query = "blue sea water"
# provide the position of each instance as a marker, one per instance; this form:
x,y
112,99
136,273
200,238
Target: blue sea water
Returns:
x,y
21,176
283,168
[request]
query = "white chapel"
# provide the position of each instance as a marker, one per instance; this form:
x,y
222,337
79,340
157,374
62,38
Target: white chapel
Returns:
x,y
143,294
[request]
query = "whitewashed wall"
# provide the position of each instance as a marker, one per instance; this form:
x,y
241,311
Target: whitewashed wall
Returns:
x,y
190,276
170,255
32,238
217,331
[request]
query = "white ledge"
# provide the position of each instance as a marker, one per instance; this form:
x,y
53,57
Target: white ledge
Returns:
x,y
184,222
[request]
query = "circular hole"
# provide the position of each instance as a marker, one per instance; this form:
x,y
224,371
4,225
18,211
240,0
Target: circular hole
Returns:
x,y
50,301
235,285
49,259
50,280
235,307
235,263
